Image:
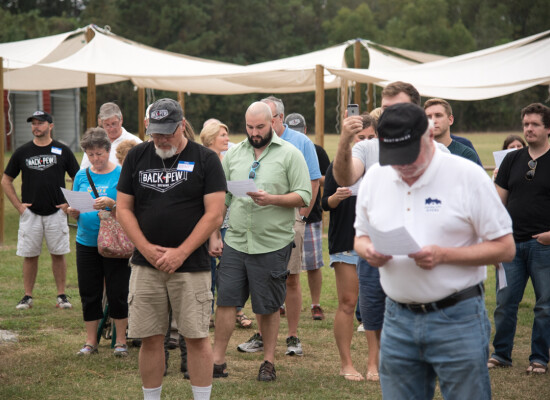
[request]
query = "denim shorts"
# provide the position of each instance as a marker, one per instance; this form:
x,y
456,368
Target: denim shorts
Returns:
x,y
348,257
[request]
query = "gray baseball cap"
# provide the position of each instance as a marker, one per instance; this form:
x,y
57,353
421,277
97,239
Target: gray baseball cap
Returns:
x,y
296,121
164,117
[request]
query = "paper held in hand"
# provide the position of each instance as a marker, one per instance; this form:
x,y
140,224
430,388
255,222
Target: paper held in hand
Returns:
x,y
397,242
240,188
81,201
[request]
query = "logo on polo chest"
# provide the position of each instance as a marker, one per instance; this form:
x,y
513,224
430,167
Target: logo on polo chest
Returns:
x,y
432,205
161,180
41,163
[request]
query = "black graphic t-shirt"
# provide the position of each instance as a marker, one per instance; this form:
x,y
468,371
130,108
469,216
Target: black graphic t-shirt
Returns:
x,y
42,174
169,197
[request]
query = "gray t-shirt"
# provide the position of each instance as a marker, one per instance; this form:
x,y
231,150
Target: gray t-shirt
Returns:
x,y
366,151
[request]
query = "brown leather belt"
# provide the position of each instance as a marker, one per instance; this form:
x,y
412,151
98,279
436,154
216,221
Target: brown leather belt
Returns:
x,y
449,301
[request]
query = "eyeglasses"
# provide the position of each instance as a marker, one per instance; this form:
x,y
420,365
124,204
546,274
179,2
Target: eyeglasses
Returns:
x,y
532,164
253,168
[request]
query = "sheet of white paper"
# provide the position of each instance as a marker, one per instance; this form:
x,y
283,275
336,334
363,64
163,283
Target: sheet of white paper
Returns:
x,y
499,156
240,188
501,277
81,201
393,243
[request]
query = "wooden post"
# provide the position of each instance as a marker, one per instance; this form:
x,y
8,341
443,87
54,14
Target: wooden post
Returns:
x,y
181,100
141,113
2,139
344,99
357,64
91,113
319,105
370,103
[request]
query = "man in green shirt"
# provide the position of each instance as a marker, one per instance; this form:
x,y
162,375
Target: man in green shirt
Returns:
x,y
260,236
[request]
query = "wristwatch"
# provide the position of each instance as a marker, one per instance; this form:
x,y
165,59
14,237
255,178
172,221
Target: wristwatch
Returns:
x,y
304,218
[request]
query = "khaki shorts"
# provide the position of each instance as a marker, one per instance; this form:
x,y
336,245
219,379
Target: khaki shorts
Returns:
x,y
295,263
33,228
151,294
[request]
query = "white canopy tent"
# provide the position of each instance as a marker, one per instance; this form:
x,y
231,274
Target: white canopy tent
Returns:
x,y
23,71
484,74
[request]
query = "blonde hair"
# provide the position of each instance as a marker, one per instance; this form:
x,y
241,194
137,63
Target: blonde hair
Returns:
x,y
123,148
210,132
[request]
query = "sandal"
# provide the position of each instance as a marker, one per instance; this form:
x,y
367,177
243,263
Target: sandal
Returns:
x,y
121,350
354,377
494,363
244,321
536,368
220,371
87,349
373,376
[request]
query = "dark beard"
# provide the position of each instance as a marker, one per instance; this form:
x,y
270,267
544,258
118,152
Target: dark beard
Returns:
x,y
263,142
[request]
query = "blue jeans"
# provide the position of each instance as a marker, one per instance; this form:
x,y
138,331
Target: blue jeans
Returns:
x,y
451,344
371,296
532,261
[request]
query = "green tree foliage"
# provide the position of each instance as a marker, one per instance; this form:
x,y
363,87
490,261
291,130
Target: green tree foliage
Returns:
x,y
261,30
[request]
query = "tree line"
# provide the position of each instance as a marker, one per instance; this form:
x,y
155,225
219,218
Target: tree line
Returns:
x,y
254,31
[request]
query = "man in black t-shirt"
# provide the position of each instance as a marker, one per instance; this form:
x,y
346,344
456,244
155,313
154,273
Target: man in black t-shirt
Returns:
x,y
43,163
523,183
171,195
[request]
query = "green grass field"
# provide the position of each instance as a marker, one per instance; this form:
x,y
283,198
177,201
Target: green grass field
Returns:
x,y
43,363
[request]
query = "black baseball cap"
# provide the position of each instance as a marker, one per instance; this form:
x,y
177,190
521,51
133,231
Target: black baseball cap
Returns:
x,y
41,116
164,117
400,129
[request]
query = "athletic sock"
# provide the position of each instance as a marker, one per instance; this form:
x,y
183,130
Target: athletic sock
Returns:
x,y
201,392
152,394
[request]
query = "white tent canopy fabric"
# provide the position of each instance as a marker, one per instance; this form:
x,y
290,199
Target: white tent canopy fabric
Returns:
x,y
479,75
148,67
63,61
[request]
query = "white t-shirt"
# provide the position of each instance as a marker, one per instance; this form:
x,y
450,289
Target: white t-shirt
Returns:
x,y
453,204
125,135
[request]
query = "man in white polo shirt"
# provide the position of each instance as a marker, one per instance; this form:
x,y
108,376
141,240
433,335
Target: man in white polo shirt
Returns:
x,y
435,324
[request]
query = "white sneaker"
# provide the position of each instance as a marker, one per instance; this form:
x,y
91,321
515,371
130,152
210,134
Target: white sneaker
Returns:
x,y
361,328
25,303
293,346
62,302
254,344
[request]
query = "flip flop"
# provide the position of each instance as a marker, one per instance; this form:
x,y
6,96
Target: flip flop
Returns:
x,y
494,363
536,368
373,376
349,377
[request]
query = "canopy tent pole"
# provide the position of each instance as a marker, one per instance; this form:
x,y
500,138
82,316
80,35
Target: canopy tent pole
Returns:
x,y
357,64
319,105
141,113
181,100
2,139
91,117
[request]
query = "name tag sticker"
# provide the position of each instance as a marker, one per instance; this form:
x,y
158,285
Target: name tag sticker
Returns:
x,y
56,150
186,166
